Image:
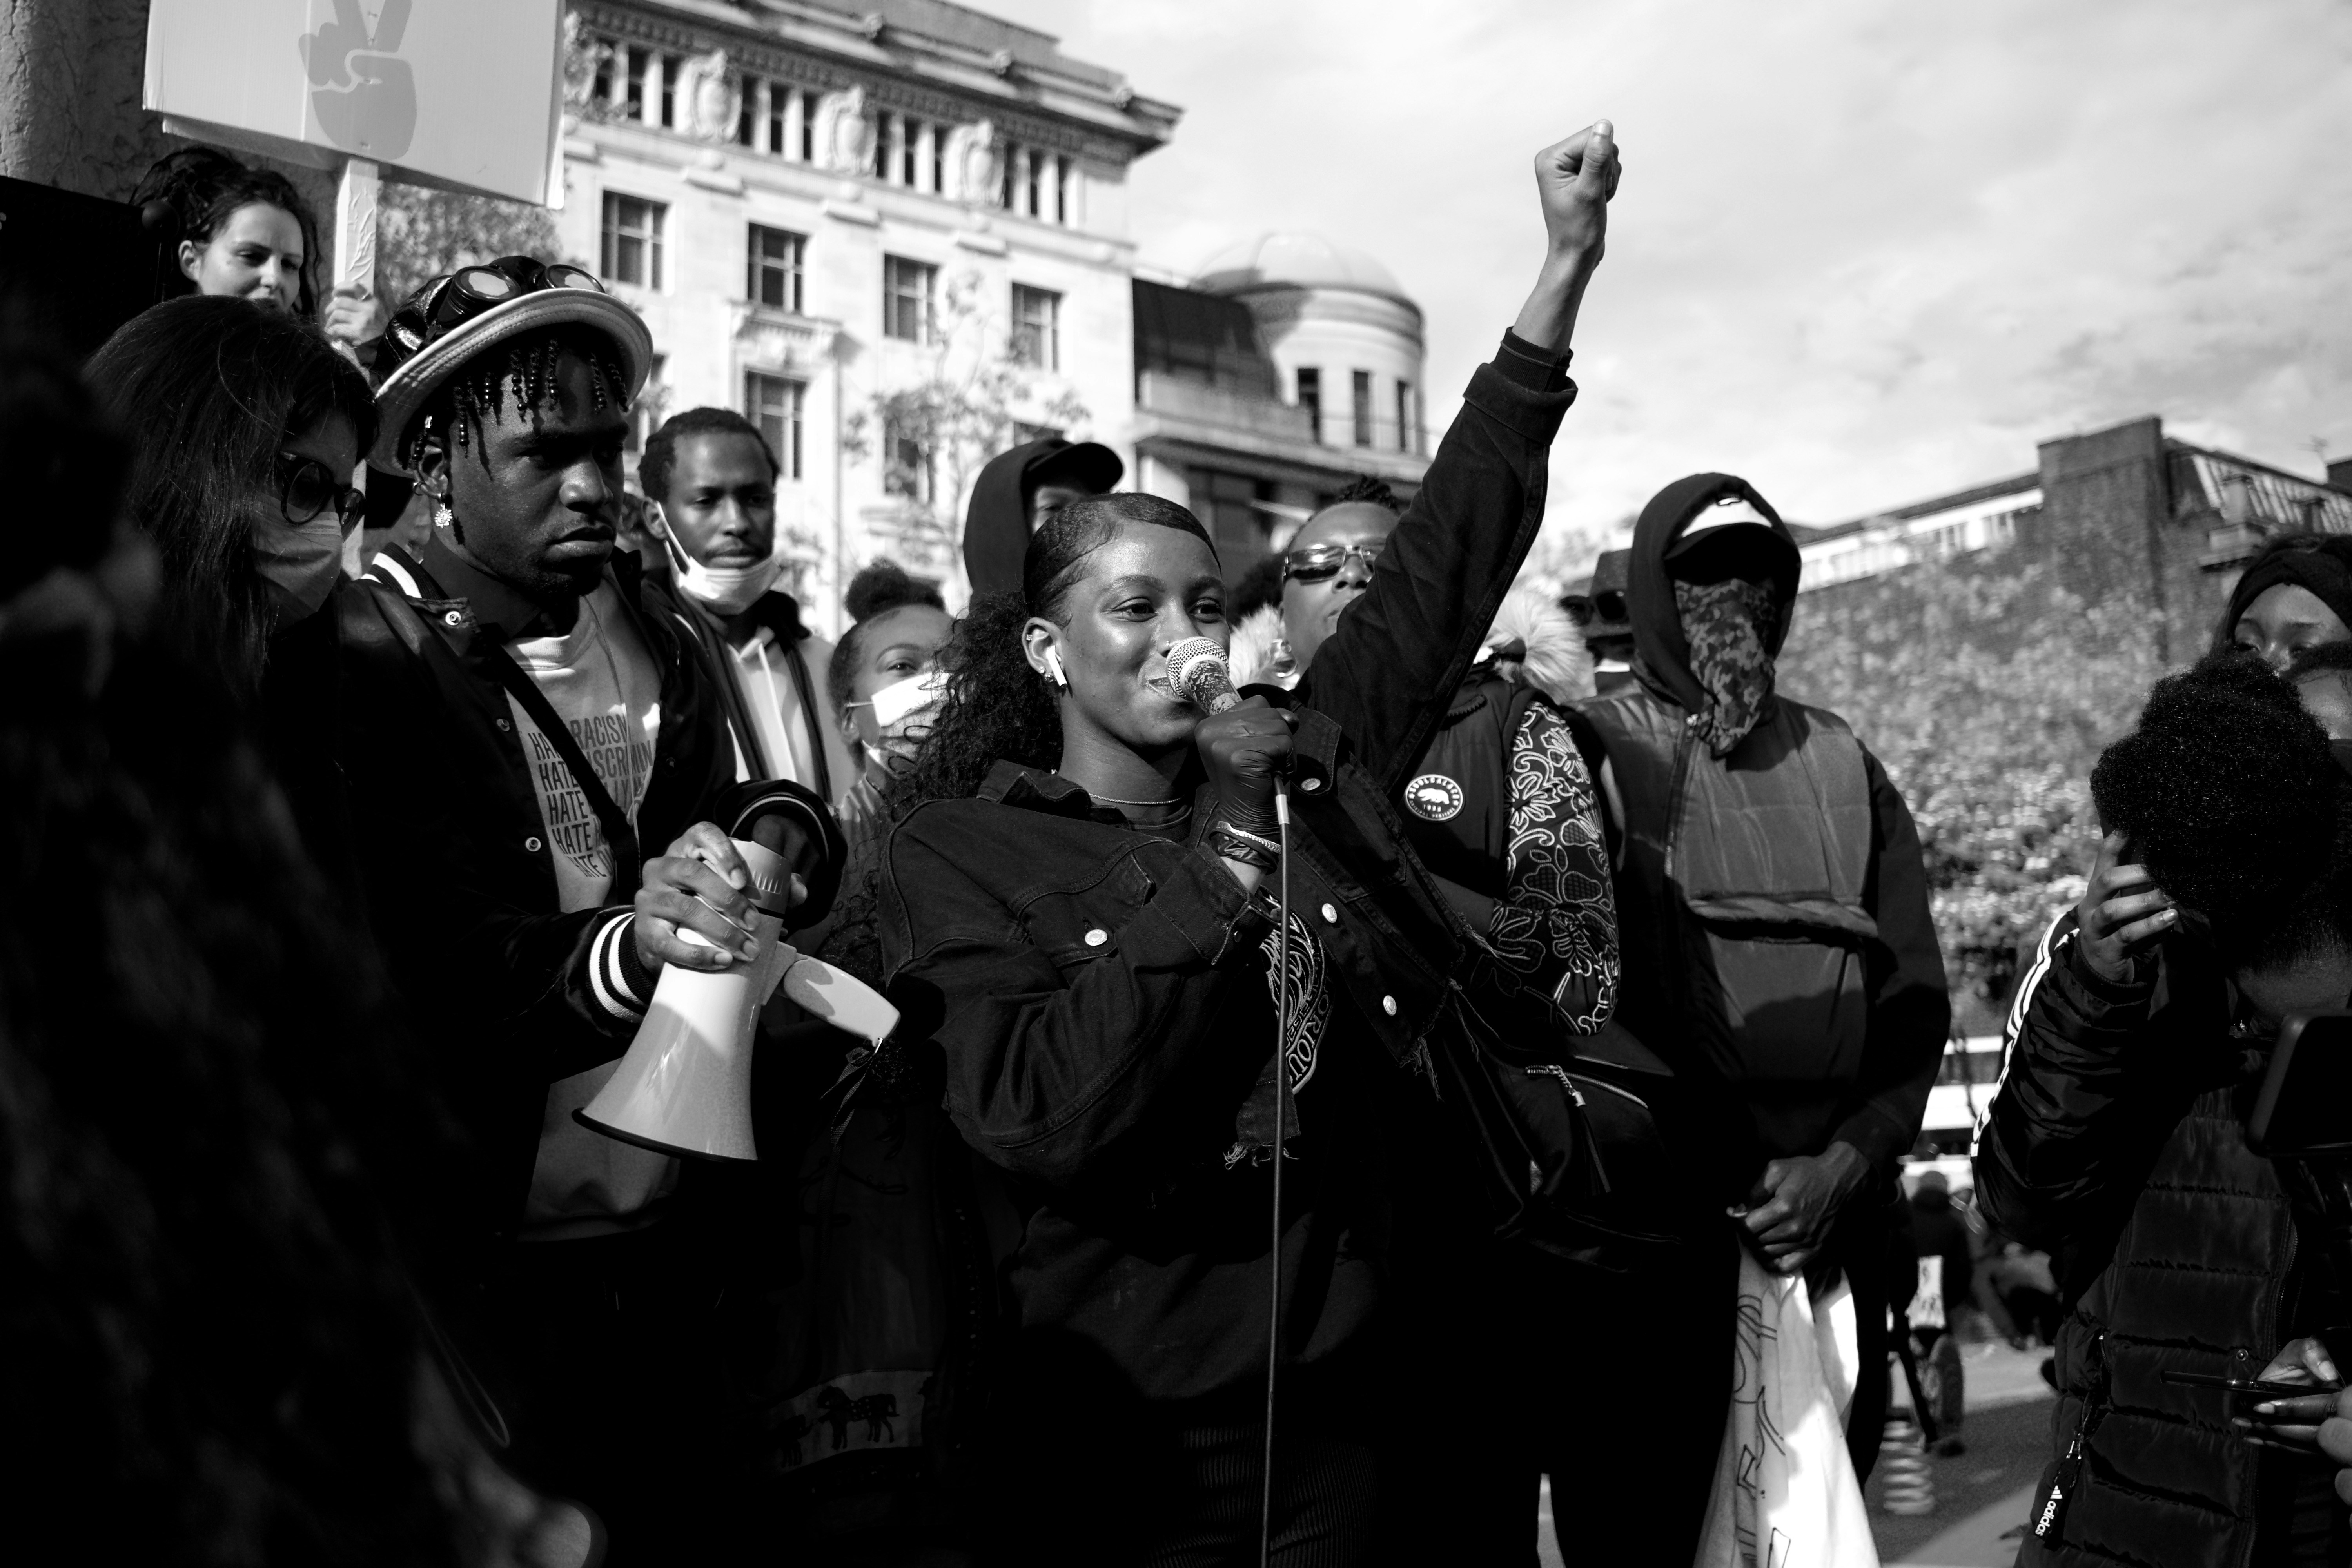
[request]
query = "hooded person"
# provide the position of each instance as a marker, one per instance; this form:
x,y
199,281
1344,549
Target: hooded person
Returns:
x,y
1017,493
1772,909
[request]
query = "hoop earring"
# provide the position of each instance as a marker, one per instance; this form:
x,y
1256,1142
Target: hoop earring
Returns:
x,y
1055,675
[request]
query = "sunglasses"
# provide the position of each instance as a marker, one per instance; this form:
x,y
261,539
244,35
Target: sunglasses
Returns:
x,y
306,487
474,289
1317,562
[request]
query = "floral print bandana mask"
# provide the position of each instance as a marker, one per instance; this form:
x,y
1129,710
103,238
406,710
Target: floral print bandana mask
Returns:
x,y
1729,627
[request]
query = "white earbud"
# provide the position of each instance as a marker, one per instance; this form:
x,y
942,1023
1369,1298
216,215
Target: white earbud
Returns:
x,y
1054,669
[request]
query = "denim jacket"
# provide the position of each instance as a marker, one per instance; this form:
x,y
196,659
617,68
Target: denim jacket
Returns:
x,y
1100,996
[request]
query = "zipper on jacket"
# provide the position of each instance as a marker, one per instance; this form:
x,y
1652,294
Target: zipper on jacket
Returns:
x,y
1588,1151
2051,1518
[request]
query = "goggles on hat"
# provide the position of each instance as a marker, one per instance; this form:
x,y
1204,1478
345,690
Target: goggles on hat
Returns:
x,y
474,289
1317,562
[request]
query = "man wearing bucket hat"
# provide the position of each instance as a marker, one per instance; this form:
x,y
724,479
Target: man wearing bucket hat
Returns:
x,y
524,710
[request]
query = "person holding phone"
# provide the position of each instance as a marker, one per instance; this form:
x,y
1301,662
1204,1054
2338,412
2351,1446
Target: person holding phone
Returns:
x,y
2220,904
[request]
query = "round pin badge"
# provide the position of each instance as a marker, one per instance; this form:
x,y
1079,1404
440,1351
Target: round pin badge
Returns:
x,y
1433,798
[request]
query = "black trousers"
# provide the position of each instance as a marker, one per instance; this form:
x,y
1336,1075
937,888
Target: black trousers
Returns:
x,y
1615,1388
1075,1474
612,1370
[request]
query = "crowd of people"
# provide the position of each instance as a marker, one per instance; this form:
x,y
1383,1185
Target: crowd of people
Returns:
x,y
1320,1114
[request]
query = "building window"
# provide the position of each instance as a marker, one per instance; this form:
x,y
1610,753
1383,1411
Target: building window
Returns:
x,y
604,53
779,96
1037,327
776,269
672,66
906,466
1310,398
938,162
906,299
808,128
1404,417
1360,384
882,126
640,62
910,150
1061,190
747,116
773,403
633,240
1035,169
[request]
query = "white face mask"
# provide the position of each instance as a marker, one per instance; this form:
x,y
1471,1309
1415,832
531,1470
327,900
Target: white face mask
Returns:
x,y
300,562
729,590
903,700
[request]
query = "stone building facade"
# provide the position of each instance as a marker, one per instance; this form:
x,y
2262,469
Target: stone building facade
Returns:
x,y
1288,366
893,232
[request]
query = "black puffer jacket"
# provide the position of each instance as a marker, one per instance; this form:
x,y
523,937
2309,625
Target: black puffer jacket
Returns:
x,y
2116,1141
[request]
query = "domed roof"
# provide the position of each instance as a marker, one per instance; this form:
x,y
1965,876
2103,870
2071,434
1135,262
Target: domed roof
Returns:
x,y
1295,261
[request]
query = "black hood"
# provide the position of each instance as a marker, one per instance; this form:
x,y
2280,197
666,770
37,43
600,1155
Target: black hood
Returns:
x,y
1661,657
996,525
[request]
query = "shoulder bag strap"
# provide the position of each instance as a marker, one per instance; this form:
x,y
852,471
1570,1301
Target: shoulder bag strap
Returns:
x,y
620,834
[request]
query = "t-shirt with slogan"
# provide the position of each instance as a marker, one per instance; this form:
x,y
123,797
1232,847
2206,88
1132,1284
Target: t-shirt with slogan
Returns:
x,y
604,685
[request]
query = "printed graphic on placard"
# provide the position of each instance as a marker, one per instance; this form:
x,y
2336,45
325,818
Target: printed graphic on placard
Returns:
x,y
363,93
1435,797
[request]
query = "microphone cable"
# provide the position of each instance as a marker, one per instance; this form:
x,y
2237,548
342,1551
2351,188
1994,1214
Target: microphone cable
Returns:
x,y
1281,1118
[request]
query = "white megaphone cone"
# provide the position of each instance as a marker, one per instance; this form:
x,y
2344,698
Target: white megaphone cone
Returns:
x,y
685,1087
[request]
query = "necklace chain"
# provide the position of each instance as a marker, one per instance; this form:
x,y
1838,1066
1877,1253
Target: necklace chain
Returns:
x,y
1114,800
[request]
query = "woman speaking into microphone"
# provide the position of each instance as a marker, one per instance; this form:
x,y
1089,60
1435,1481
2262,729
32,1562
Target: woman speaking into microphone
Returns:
x,y
1076,909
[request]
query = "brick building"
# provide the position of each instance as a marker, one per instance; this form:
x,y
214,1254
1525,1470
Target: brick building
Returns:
x,y
2123,515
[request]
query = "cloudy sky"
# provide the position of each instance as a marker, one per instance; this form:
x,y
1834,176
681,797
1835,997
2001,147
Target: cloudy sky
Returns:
x,y
1863,254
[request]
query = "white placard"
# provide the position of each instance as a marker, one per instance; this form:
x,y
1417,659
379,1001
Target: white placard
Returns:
x,y
459,93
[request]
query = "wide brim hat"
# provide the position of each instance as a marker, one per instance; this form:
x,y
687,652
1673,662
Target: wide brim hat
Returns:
x,y
405,394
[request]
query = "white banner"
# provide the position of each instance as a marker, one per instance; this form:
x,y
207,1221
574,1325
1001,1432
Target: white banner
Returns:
x,y
459,93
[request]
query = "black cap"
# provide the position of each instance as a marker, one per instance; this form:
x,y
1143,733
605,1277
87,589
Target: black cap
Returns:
x,y
1729,538
1090,464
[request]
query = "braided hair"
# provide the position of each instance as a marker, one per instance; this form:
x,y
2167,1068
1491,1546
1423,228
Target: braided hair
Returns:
x,y
530,369
997,706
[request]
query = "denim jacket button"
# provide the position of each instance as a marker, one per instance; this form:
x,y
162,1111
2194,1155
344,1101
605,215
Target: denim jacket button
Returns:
x,y
1388,1005
1096,937
1331,915
532,844
1310,784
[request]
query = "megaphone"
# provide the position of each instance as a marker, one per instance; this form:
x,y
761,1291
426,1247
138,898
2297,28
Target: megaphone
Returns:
x,y
684,1085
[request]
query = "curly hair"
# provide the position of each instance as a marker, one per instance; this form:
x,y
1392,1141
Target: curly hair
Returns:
x,y
205,188
1368,487
208,390
997,706
2231,797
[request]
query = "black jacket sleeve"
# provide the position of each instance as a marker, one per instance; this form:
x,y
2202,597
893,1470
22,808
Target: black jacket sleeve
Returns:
x,y
1388,671
2085,1101
1051,1070
1910,1008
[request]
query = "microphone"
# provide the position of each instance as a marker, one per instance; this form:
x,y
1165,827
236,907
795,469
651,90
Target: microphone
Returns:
x,y
1198,671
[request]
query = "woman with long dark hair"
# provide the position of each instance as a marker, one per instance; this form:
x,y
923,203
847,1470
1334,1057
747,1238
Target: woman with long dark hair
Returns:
x,y
214,1356
246,233
1075,914
244,427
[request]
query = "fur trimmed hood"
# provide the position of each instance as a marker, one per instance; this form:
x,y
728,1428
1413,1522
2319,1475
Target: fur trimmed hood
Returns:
x,y
1556,660
1251,650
